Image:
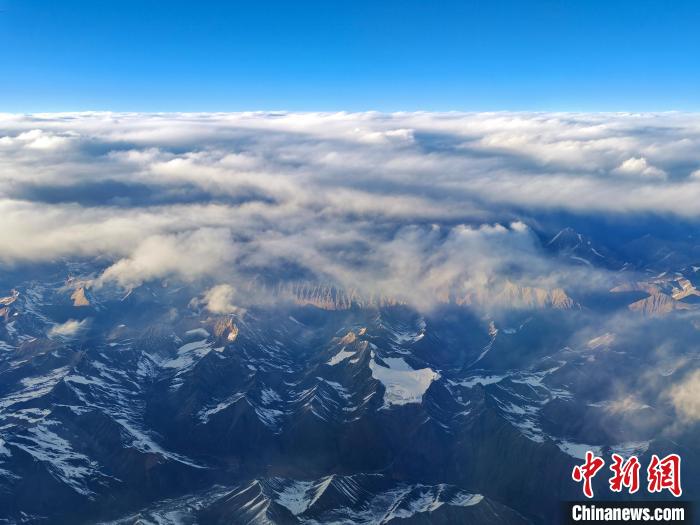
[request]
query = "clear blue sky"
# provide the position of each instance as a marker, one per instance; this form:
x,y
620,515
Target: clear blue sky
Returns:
x,y
349,54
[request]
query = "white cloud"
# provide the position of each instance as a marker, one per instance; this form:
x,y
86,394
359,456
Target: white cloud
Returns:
x,y
37,139
188,256
219,299
685,397
68,329
639,167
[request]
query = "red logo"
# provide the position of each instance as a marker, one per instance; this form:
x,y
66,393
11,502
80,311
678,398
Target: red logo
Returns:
x,y
662,474
625,474
587,472
665,474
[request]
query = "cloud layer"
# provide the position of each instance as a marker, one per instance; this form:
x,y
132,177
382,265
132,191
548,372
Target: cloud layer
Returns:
x,y
402,204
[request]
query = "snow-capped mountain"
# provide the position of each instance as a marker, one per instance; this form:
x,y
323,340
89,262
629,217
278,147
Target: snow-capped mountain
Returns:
x,y
329,407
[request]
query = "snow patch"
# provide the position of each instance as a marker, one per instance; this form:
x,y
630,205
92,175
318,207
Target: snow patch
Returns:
x,y
402,384
268,396
56,453
630,448
187,354
340,357
604,340
34,387
472,381
578,450
294,496
4,451
206,413
197,332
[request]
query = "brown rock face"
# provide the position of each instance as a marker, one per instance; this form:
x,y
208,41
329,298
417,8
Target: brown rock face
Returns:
x,y
79,297
512,295
657,304
666,294
7,301
508,294
225,328
329,297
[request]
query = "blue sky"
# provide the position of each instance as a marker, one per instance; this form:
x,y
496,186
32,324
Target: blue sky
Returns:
x,y
349,55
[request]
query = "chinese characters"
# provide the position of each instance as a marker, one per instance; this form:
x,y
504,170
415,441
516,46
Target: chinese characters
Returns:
x,y
662,474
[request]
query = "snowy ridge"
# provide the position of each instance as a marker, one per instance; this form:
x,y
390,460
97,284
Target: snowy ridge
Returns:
x,y
69,466
34,388
364,499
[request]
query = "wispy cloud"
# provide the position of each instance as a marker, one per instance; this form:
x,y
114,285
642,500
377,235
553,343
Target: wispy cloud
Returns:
x,y
68,329
685,397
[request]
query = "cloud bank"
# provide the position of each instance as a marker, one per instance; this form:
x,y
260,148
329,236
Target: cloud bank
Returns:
x,y
405,204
